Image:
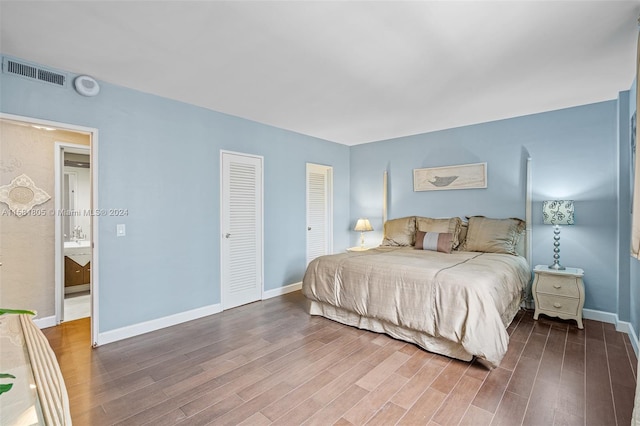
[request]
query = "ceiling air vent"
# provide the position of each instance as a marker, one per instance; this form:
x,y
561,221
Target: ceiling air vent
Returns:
x,y
33,72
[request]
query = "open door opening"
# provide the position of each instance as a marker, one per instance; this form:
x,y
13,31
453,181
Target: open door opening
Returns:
x,y
74,213
32,243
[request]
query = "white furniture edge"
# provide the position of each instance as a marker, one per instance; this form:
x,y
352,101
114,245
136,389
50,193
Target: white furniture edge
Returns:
x,y
527,215
571,271
51,389
385,179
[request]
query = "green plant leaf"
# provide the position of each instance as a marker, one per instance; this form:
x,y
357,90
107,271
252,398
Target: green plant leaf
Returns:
x,y
7,376
15,311
5,388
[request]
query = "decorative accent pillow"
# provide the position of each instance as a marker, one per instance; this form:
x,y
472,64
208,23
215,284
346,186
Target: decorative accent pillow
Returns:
x,y
450,225
434,241
493,235
399,232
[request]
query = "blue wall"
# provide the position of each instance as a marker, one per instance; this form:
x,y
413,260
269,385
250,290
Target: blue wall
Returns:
x,y
574,156
160,159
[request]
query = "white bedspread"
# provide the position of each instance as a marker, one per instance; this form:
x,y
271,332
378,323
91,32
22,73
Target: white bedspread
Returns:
x,y
468,298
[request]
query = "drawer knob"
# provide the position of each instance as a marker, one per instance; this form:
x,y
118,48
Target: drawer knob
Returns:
x,y
557,286
557,305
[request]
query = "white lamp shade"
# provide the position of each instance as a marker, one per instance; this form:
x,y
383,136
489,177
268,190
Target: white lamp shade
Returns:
x,y
558,212
363,225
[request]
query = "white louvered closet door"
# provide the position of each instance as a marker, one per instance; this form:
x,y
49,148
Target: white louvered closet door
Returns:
x,y
319,211
241,227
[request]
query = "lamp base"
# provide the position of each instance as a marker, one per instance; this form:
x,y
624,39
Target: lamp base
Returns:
x,y
556,266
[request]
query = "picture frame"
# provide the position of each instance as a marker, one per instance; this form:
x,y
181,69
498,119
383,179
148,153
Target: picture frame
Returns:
x,y
462,176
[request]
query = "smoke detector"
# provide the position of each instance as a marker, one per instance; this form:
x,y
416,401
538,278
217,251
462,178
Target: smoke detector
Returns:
x,y
86,86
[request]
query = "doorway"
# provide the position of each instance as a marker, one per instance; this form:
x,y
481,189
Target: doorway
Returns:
x,y
31,246
319,183
74,162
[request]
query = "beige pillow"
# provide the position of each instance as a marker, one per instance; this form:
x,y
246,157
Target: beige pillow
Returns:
x,y
450,225
399,232
493,235
462,236
520,246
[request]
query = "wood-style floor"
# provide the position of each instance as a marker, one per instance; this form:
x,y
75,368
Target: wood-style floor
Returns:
x,y
271,363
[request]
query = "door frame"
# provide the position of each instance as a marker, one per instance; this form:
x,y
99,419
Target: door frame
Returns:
x,y
222,220
95,219
59,149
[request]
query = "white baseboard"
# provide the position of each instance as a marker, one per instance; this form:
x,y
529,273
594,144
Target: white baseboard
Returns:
x,y
156,324
601,316
268,294
627,327
45,322
608,317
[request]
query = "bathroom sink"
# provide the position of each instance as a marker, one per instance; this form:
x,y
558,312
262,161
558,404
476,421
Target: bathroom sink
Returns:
x,y
75,244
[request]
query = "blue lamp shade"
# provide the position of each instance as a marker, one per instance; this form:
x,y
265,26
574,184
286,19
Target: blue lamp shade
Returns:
x,y
558,212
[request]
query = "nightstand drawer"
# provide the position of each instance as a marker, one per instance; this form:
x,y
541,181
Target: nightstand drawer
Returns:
x,y
558,293
566,305
559,285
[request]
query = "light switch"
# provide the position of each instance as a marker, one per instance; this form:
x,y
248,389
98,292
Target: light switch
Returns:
x,y
121,230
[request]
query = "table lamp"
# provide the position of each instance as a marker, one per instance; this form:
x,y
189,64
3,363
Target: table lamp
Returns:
x,y
556,213
363,225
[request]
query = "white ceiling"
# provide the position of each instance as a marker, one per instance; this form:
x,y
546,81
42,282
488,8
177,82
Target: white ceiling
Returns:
x,y
345,71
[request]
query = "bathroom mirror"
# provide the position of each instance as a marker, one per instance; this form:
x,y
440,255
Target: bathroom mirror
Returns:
x,y
76,197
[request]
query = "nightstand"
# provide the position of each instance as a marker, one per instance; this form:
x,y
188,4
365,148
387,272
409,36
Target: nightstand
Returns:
x,y
558,293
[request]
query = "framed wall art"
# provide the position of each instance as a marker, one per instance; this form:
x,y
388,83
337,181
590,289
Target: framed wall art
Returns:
x,y
464,176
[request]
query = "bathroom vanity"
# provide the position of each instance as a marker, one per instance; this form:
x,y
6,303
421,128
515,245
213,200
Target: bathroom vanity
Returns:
x,y
77,266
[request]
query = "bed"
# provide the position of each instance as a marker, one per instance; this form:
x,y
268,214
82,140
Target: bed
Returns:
x,y
449,286
37,394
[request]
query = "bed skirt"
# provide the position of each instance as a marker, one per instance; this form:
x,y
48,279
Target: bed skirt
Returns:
x,y
425,341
